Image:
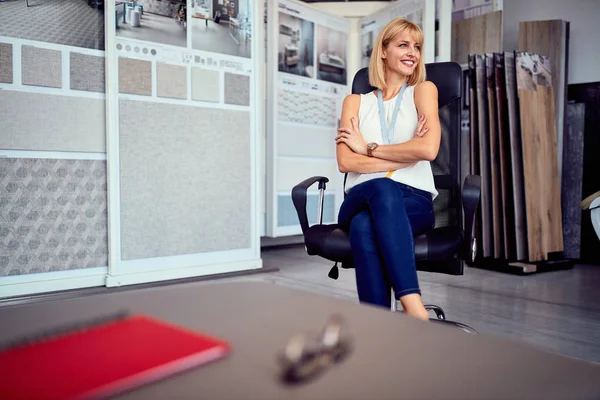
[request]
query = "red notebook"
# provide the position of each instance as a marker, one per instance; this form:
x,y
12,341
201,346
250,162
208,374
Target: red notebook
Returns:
x,y
103,359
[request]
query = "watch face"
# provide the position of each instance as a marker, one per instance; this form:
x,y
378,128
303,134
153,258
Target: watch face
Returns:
x,y
372,146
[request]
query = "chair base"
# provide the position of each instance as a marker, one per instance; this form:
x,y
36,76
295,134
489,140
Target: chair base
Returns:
x,y
459,325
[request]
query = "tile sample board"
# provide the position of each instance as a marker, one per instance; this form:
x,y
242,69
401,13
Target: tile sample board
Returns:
x,y
540,161
198,202
53,215
69,123
551,39
478,35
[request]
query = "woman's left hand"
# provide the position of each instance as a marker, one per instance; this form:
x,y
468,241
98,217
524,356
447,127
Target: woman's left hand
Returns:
x,y
352,137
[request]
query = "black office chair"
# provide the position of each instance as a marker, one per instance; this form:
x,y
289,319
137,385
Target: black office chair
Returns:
x,y
443,249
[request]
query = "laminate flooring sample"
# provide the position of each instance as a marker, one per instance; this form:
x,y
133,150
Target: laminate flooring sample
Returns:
x,y
540,162
476,35
497,221
572,179
484,158
516,156
506,189
550,38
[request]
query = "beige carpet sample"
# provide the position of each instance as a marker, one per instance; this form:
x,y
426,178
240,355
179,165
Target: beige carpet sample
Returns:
x,y
237,89
135,76
171,81
205,85
41,67
69,123
6,63
87,73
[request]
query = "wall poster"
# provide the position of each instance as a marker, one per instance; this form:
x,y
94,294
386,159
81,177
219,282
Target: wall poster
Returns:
x,y
183,105
307,74
421,12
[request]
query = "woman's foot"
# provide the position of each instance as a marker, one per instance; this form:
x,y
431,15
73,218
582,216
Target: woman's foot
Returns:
x,y
413,306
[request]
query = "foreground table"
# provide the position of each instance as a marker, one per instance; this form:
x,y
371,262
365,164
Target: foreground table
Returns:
x,y
394,356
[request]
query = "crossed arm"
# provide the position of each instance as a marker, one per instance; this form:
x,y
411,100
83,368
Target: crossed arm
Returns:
x,y
351,149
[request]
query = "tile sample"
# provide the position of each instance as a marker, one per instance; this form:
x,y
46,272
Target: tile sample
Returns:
x,y
179,196
135,76
171,81
70,123
41,67
53,215
306,108
205,85
87,73
237,89
6,63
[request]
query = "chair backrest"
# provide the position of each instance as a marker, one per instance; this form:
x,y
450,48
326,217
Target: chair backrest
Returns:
x,y
447,76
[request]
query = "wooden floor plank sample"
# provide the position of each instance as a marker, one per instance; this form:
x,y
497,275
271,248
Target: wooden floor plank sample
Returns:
x,y
572,179
516,156
477,35
540,162
484,157
551,39
474,145
497,223
506,187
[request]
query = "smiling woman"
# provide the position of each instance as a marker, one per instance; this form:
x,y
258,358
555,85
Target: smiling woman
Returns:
x,y
385,143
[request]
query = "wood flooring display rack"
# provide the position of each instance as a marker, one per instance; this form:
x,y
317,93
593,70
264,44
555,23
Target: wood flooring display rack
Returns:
x,y
517,107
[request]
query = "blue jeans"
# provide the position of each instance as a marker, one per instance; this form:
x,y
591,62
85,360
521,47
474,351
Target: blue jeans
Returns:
x,y
382,216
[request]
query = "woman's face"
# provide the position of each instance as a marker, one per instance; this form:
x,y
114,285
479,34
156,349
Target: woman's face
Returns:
x,y
402,54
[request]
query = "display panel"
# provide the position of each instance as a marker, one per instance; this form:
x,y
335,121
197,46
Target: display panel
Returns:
x,y
308,78
184,154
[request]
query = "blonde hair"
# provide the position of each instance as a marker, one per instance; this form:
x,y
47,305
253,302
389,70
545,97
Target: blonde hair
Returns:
x,y
387,34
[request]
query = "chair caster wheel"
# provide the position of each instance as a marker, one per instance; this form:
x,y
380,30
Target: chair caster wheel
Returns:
x,y
439,312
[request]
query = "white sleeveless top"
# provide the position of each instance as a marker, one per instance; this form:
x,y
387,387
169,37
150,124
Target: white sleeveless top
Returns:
x,y
420,175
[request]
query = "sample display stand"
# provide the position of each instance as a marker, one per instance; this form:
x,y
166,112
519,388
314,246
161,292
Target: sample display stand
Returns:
x,y
514,144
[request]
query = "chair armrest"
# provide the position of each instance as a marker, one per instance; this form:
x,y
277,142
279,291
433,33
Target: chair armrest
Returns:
x,y
471,194
299,193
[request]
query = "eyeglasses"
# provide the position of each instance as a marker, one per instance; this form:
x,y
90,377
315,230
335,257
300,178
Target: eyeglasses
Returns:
x,y
306,356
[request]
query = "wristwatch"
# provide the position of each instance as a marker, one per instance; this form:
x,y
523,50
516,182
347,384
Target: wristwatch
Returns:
x,y
370,147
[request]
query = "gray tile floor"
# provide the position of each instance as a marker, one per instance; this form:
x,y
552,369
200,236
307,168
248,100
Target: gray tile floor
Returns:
x,y
558,311
66,22
215,38
154,28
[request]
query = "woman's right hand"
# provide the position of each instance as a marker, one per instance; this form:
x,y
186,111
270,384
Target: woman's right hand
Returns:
x,y
420,124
